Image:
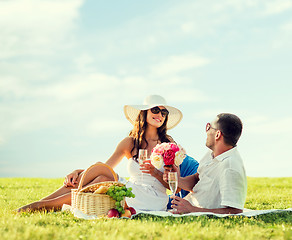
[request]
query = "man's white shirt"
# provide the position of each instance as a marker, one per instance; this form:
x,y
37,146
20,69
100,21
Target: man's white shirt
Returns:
x,y
222,182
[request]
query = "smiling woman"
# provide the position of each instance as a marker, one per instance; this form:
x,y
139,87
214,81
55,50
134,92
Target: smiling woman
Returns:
x,y
151,122
148,113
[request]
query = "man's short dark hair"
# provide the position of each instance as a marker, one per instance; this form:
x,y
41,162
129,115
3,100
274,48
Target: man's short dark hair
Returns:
x,y
231,127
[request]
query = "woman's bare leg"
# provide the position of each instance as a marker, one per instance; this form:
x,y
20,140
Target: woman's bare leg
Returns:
x,y
51,204
58,193
91,176
57,202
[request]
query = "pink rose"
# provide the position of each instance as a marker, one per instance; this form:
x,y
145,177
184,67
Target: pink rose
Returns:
x,y
174,147
168,157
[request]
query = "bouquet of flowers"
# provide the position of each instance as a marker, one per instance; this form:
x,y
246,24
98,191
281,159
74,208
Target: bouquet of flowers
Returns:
x,y
167,153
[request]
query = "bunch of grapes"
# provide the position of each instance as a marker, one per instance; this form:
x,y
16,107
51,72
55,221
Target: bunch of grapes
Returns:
x,y
118,194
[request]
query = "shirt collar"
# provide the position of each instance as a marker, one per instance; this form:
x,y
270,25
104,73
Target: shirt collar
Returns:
x,y
226,154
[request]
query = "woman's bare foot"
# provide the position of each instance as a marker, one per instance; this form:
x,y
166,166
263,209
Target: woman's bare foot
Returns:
x,y
29,207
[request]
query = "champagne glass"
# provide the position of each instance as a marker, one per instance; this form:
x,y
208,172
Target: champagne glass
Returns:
x,y
172,181
142,157
173,184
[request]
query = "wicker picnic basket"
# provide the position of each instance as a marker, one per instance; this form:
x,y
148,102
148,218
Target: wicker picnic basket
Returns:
x,y
91,203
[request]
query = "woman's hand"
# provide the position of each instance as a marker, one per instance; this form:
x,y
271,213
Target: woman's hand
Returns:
x,y
71,179
147,167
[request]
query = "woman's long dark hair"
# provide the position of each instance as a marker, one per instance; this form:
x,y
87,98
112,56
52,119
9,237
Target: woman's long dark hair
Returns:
x,y
138,133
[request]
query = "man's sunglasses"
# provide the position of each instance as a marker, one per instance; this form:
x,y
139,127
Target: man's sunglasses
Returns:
x,y
208,127
156,110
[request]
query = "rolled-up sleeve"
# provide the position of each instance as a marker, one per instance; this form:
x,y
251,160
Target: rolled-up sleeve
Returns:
x,y
233,189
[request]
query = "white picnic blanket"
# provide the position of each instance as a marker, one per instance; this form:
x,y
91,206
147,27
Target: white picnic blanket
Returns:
x,y
246,213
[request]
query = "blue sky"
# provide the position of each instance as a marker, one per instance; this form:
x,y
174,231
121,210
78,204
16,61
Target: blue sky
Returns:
x,y
67,67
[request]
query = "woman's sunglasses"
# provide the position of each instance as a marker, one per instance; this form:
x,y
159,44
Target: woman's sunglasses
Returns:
x,y
156,110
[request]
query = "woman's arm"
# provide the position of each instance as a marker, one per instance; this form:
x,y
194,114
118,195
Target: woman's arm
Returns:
x,y
122,150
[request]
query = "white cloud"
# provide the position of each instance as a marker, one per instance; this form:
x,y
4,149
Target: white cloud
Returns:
x,y
188,27
277,7
268,126
30,106
287,27
79,98
170,24
111,126
283,40
135,80
183,94
35,27
176,64
80,85
83,62
70,87
10,86
256,119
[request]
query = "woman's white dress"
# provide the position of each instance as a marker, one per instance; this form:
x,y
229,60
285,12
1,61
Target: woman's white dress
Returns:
x,y
150,194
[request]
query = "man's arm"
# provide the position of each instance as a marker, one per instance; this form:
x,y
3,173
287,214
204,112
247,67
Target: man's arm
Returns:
x,y
183,206
187,183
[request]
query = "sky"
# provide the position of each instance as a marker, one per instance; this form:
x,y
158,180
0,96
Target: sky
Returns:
x,y
67,68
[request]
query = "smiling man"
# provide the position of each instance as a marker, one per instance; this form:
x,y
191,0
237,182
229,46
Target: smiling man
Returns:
x,y
220,184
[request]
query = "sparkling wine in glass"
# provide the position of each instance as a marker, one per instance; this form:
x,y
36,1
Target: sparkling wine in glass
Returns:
x,y
172,181
142,157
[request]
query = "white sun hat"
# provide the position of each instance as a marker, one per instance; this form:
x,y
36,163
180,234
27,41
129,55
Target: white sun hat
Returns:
x,y
174,116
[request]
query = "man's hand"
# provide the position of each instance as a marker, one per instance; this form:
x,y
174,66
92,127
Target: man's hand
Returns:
x,y
181,205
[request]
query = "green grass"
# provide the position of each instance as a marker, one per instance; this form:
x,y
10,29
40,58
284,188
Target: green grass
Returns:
x,y
263,193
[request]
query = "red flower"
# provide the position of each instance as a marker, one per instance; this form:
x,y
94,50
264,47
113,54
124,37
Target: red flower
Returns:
x,y
168,157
